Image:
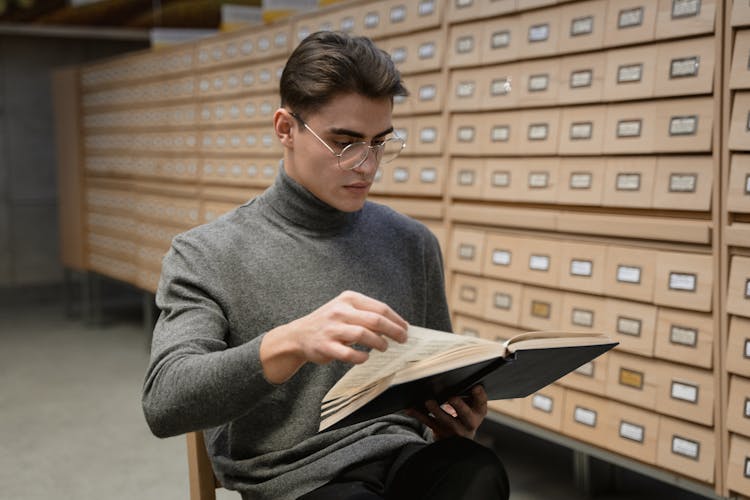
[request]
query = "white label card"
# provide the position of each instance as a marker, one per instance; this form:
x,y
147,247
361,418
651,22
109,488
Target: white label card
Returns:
x,y
630,18
630,431
684,392
500,179
426,7
582,317
683,336
584,416
468,293
683,125
465,89
399,55
581,267
466,178
747,348
500,39
372,19
427,50
683,183
587,369
500,86
539,262
629,326
747,289
539,33
747,184
428,135
469,332
400,174
580,180
684,67
538,83
541,402
747,408
500,133
682,281
582,26
428,175
629,128
538,180
685,447
685,8
582,78
464,3
398,13
629,73
628,182
501,257
628,274
466,251
465,134
538,132
747,467
581,131
503,301
427,92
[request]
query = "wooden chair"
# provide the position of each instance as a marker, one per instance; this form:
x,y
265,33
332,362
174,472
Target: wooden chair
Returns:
x,y
203,482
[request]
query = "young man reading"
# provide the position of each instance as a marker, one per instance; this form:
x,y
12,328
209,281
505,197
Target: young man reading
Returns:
x,y
264,309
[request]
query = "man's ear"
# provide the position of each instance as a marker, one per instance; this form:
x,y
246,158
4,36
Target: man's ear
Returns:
x,y
284,126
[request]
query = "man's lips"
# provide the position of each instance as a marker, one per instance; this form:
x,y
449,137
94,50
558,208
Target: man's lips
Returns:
x,y
358,185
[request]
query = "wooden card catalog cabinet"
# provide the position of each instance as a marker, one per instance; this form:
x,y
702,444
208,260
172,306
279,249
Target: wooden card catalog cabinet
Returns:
x,y
585,417
582,78
738,199
686,448
503,301
684,337
582,26
468,250
582,130
739,128
632,324
685,67
538,82
738,293
468,295
464,45
630,273
629,182
631,73
545,407
738,409
540,33
738,469
684,280
632,432
632,379
676,18
683,183
581,181
466,178
686,392
684,125
630,128
630,21
502,38
739,77
541,308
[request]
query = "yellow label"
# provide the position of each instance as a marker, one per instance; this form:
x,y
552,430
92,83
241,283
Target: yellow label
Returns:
x,y
541,309
631,378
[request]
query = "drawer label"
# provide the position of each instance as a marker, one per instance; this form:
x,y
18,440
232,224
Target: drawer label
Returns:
x,y
541,402
428,175
582,26
500,179
540,309
347,24
747,184
684,392
464,3
500,86
372,19
628,274
427,92
683,183
465,44
501,257
427,50
747,289
685,447
633,432
399,55
747,348
629,18
469,332
583,78
465,134
629,73
538,180
581,130
500,39
398,13
580,180
539,262
426,7
681,335
684,67
682,281
466,178
629,326
584,416
466,251
538,83
428,135
539,33
587,370
747,408
628,128
581,267
747,467
683,125
631,378
628,182
465,89
582,317
685,8
538,131
500,133
468,293
502,301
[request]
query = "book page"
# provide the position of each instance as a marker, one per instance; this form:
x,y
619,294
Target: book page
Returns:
x,y
421,343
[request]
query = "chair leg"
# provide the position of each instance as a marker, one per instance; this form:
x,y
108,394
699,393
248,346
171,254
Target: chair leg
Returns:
x,y
202,480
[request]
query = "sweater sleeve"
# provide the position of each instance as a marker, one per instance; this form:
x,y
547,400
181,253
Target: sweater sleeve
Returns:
x,y
194,380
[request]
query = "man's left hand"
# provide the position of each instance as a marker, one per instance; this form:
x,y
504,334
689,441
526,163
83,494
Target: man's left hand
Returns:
x,y
456,417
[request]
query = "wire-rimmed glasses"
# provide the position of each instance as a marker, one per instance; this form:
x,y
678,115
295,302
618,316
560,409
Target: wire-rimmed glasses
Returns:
x,y
355,154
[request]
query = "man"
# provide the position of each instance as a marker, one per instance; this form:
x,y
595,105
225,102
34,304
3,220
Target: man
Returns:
x,y
264,309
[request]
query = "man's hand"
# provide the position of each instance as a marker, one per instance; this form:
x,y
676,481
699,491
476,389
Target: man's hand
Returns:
x,y
328,334
457,417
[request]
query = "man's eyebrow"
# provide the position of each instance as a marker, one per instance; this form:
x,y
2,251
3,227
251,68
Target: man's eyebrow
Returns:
x,y
358,135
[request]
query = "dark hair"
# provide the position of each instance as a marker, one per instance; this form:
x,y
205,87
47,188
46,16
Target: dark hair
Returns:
x,y
326,64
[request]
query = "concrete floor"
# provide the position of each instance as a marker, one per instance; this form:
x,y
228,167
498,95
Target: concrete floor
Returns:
x,y
71,425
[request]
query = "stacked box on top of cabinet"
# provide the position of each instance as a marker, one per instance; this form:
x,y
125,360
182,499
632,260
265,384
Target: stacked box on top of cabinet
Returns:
x,y
582,166
737,237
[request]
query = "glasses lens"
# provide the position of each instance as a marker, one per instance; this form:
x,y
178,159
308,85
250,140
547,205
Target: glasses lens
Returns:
x,y
391,149
353,155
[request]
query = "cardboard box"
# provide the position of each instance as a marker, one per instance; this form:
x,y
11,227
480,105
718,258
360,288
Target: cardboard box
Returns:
x,y
582,267
677,18
632,324
686,392
631,73
467,250
468,295
630,21
739,76
538,82
630,128
582,130
581,181
632,432
539,131
632,379
685,125
630,273
502,133
585,417
738,409
503,303
540,308
498,86
738,346
739,128
465,178
583,312
685,67
629,182
467,132
738,193
502,179
545,407
738,293
684,280
539,31
582,78
464,90
582,26
503,38
687,449
537,179
683,183
464,45
685,337
590,377
738,468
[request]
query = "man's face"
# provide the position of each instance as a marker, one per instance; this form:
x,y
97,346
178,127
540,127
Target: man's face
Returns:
x,y
347,118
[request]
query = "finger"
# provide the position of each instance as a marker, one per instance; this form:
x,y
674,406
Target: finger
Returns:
x,y
366,303
468,417
479,399
382,325
352,334
341,352
441,417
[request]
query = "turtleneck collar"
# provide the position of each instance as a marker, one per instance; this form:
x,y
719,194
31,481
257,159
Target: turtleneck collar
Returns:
x,y
296,204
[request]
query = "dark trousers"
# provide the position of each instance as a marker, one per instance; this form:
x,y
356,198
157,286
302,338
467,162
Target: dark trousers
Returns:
x,y
450,469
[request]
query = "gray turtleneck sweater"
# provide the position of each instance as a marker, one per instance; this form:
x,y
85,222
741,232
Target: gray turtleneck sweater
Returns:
x,y
271,261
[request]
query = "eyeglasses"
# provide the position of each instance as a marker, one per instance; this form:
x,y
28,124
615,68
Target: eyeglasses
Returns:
x,y
355,154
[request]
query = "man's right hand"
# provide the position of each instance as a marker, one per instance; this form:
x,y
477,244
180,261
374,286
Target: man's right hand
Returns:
x,y
328,334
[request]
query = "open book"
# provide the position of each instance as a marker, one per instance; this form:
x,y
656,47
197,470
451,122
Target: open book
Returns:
x,y
434,365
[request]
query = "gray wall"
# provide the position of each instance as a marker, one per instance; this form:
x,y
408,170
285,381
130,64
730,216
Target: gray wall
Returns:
x,y
28,189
